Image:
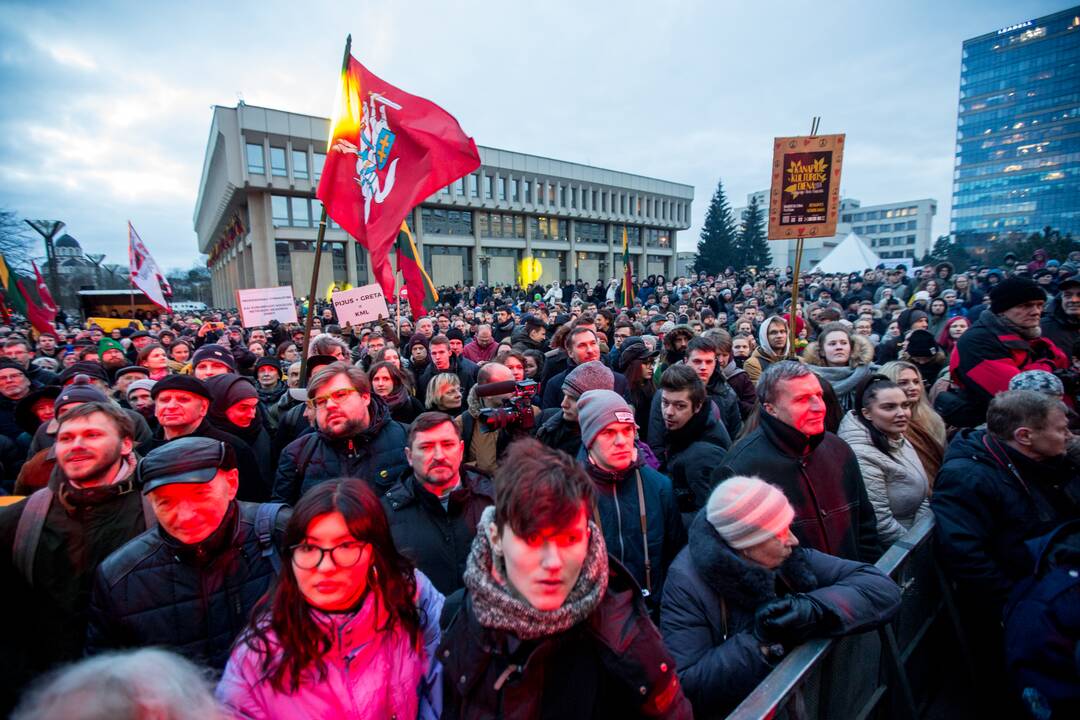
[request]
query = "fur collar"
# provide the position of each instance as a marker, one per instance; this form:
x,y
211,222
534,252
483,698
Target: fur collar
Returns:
x,y
743,583
862,353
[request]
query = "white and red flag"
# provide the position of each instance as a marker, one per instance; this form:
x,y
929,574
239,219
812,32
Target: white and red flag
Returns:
x,y
145,273
47,301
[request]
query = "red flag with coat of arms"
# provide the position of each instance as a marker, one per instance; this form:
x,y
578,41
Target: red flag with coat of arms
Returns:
x,y
388,151
47,301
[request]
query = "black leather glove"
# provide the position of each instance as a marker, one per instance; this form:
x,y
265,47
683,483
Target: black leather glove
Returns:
x,y
791,620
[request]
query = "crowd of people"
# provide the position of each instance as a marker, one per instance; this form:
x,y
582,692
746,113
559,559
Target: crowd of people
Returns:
x,y
537,503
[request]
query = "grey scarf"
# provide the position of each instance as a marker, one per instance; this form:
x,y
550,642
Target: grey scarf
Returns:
x,y
1028,333
500,607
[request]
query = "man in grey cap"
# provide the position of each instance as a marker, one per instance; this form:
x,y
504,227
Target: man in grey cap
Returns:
x,y
559,425
644,537
190,582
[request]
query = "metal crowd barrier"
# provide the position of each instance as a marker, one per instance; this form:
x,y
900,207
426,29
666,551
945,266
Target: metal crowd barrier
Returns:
x,y
885,673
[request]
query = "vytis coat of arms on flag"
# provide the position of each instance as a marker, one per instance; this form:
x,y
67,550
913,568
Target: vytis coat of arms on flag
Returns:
x,y
375,170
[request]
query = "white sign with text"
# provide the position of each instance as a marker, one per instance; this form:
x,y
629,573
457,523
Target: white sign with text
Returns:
x,y
258,306
360,305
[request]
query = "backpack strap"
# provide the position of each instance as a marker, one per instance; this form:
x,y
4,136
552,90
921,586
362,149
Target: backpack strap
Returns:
x,y
28,532
265,518
304,456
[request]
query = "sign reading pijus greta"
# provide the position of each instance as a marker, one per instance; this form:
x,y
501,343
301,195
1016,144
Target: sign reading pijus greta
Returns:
x,y
360,305
805,196
258,306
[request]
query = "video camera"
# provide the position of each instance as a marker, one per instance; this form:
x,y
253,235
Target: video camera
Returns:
x,y
516,410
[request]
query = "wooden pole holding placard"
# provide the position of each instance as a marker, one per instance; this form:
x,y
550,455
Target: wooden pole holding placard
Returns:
x,y
815,123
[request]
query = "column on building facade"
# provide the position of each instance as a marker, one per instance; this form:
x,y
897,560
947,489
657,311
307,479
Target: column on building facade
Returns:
x,y
571,266
478,275
614,265
263,254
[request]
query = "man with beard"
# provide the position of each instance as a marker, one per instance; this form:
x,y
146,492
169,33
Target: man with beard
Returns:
x,y
111,355
52,542
582,346
142,402
1002,343
434,506
1061,324
181,403
355,437
483,348
504,324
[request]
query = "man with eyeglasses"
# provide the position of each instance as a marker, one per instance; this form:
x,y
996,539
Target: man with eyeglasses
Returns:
x,y
190,582
354,437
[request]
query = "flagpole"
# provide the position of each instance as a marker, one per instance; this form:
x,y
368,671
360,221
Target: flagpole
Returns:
x,y
318,247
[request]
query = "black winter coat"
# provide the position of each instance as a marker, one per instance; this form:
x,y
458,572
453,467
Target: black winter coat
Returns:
x,y
620,519
691,453
984,512
463,368
193,599
254,483
604,667
46,623
375,454
707,614
658,433
1059,328
437,540
822,480
555,432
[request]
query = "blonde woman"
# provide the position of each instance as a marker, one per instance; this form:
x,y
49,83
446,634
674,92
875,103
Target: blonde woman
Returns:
x,y
926,432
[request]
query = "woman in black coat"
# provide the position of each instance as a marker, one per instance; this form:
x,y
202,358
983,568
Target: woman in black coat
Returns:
x,y
742,594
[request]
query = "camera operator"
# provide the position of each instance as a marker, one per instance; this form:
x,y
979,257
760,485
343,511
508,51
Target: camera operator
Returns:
x,y
484,449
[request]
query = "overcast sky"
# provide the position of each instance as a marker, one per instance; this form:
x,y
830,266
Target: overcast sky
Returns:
x,y
105,107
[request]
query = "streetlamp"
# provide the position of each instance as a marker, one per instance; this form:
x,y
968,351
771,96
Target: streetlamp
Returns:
x,y
49,229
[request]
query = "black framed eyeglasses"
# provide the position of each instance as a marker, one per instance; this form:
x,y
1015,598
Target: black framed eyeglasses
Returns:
x,y
308,557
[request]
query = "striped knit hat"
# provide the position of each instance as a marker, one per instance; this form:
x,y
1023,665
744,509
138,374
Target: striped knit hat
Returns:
x,y
747,510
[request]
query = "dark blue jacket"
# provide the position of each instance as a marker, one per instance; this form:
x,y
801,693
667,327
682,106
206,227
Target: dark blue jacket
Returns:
x,y
376,454
711,595
193,599
618,508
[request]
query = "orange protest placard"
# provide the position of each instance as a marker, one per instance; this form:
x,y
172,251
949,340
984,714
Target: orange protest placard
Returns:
x,y
805,196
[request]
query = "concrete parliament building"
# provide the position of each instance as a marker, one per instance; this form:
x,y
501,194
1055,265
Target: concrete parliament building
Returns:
x,y
256,214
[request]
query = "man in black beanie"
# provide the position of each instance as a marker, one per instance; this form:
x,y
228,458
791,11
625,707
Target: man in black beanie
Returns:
x,y
1002,343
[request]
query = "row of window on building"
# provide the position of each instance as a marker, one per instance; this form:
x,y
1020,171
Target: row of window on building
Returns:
x,y
884,228
256,162
879,214
885,242
300,211
571,197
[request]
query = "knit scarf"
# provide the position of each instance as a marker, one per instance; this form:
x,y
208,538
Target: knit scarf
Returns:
x,y
499,607
1028,333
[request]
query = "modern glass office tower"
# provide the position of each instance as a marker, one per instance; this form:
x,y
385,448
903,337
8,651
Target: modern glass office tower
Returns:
x,y
1018,132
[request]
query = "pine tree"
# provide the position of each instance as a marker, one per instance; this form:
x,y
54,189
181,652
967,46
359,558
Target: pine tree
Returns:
x,y
716,249
753,247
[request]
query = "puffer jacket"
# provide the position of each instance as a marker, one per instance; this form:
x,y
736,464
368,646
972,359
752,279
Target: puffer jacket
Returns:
x,y
707,613
820,476
990,354
896,482
374,454
435,538
613,664
346,692
620,518
194,599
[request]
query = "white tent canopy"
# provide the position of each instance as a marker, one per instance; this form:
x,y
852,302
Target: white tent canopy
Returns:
x,y
851,255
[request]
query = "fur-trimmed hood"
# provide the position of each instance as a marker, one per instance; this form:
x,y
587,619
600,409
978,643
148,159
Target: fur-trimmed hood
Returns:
x,y
744,583
862,352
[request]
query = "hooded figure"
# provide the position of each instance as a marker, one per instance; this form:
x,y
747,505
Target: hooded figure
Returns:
x,y
227,407
763,355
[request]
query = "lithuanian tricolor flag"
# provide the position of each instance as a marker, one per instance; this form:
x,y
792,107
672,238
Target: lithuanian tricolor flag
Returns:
x,y
422,293
12,296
